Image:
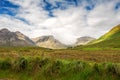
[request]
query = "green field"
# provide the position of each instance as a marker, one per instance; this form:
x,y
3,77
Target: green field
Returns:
x,y
34,63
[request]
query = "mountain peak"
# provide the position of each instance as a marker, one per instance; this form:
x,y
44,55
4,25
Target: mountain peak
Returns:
x,y
8,38
45,38
4,30
18,32
49,42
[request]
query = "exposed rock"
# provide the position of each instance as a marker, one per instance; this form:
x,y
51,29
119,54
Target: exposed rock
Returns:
x,y
49,42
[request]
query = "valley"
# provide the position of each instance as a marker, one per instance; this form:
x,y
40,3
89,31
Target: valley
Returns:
x,y
45,58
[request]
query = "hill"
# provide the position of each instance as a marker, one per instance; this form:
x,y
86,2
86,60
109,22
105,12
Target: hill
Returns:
x,y
110,40
113,33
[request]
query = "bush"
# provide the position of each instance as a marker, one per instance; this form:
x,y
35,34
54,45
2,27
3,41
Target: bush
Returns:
x,y
20,64
5,64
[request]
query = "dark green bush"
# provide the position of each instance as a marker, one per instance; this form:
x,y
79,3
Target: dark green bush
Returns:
x,y
20,64
5,64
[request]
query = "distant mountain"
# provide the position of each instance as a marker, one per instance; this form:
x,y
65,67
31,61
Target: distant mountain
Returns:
x,y
8,38
48,42
84,40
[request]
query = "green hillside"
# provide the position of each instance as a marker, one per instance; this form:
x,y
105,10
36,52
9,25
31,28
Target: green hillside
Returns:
x,y
106,44
110,40
113,33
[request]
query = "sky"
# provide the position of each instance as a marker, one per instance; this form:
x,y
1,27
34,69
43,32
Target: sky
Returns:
x,y
66,20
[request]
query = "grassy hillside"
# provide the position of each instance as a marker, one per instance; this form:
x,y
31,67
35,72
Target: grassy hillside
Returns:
x,y
109,41
113,33
110,44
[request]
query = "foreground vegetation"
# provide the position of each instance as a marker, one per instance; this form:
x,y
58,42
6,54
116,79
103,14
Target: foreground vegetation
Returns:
x,y
33,63
47,69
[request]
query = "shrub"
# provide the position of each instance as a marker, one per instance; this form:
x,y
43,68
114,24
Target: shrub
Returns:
x,y
5,64
20,64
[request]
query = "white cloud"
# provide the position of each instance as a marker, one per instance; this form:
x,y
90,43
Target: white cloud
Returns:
x,y
103,17
67,25
14,24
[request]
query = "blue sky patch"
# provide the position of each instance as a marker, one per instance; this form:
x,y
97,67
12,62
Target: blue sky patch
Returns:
x,y
8,8
58,5
89,7
117,6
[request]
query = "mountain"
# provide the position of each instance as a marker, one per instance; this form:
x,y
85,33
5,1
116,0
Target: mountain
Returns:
x,y
113,33
8,38
109,40
48,42
84,40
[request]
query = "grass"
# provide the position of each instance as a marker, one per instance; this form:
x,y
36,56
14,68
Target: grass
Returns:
x,y
33,63
111,44
113,33
47,69
83,54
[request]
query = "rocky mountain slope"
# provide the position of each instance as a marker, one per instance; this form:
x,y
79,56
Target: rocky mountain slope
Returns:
x,y
8,38
48,42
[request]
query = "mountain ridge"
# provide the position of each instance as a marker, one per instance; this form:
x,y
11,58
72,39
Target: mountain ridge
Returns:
x,y
19,39
49,42
8,38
